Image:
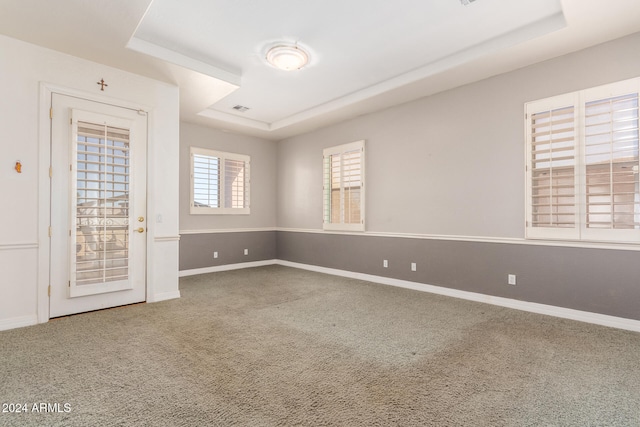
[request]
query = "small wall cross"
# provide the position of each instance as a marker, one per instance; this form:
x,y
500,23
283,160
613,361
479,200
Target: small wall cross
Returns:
x,y
102,84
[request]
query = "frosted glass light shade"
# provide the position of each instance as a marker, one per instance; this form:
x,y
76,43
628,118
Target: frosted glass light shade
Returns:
x,y
287,57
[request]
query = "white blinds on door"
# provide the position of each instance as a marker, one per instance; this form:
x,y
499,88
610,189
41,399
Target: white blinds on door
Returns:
x,y
101,204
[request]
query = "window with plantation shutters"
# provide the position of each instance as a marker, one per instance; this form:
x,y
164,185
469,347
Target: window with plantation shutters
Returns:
x,y
219,182
343,187
582,165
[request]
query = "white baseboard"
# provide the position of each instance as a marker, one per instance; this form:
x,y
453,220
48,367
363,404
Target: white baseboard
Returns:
x,y
18,322
163,296
550,310
226,267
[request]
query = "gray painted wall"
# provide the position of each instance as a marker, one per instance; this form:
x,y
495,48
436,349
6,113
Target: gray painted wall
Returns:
x,y
452,164
449,164
601,281
196,250
594,280
197,242
263,178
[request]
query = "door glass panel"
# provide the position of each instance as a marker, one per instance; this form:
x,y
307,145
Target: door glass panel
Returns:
x,y
102,204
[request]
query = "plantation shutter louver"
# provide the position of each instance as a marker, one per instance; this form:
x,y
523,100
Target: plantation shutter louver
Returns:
x,y
553,166
611,161
206,177
334,205
351,187
344,187
235,184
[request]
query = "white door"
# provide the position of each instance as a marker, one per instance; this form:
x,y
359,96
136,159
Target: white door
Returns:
x,y
98,206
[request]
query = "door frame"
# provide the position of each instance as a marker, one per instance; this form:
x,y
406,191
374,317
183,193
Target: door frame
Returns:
x,y
44,185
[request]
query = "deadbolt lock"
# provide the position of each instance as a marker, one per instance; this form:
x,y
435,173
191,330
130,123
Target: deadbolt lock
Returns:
x,y
140,219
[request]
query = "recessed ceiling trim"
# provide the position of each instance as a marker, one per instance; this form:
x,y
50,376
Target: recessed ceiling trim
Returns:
x,y
232,118
181,60
544,26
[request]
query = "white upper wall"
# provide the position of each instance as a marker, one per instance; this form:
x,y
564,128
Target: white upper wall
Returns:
x,y
263,179
24,215
450,164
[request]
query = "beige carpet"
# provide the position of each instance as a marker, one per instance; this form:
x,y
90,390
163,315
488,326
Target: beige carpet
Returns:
x,y
276,346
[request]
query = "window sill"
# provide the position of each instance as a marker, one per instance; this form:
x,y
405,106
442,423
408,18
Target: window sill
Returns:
x,y
343,227
219,211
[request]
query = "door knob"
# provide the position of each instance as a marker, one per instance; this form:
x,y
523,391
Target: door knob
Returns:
x,y
140,230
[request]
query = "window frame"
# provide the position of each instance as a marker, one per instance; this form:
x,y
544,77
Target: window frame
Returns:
x,y
222,184
579,101
326,187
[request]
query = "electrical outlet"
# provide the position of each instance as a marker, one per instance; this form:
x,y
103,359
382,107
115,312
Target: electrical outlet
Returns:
x,y
385,263
413,266
246,251
215,254
511,279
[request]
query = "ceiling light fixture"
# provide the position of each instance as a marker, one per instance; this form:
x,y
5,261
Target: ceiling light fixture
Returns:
x,y
287,57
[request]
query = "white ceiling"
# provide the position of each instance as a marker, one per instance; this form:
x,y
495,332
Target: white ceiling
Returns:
x,y
365,54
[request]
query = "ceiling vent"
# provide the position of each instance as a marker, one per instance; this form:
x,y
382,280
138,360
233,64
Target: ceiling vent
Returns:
x,y
466,2
240,108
